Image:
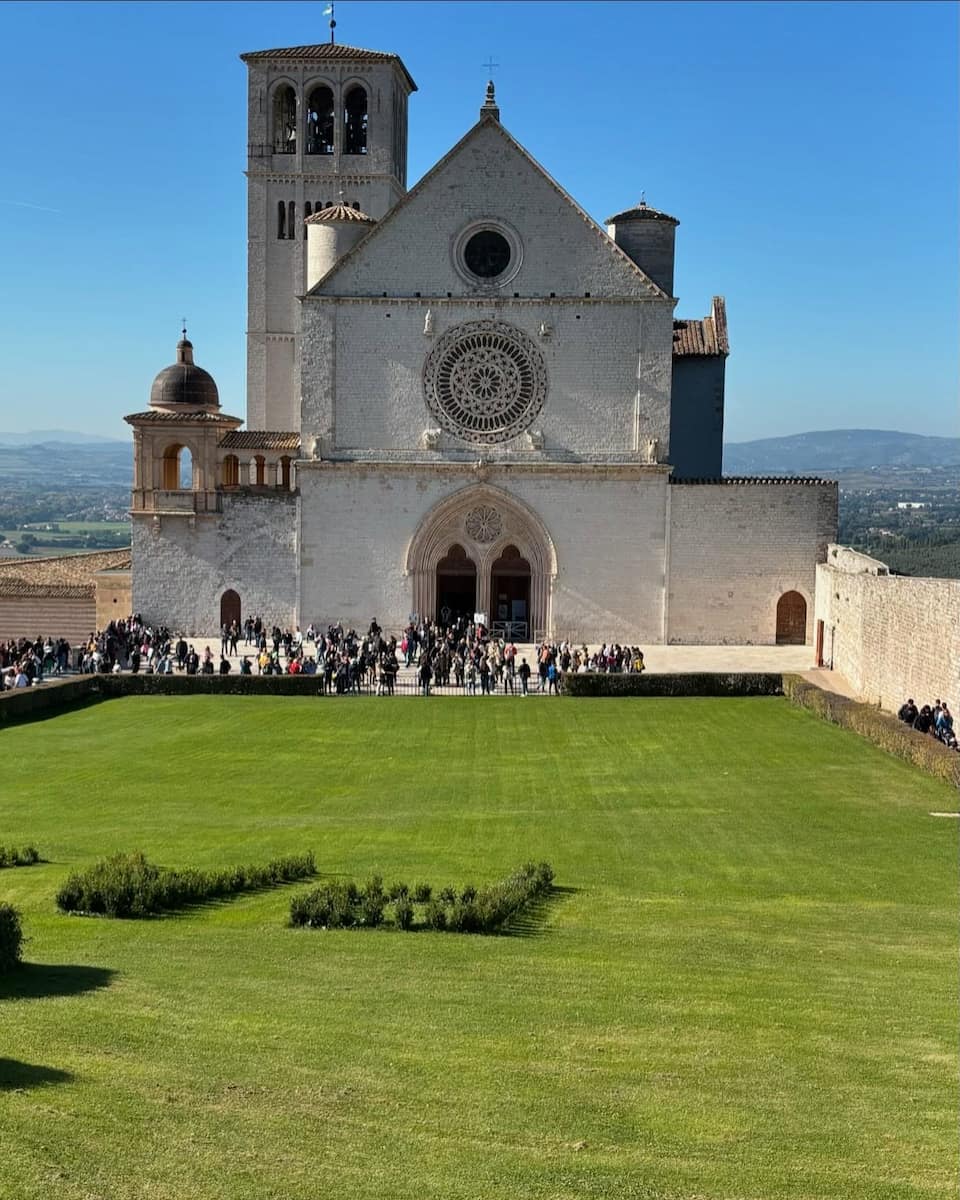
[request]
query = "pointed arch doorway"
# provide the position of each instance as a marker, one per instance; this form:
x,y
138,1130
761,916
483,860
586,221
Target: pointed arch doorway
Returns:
x,y
507,545
456,585
510,591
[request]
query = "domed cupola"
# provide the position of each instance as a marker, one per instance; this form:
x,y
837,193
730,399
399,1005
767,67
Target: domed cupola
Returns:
x,y
183,386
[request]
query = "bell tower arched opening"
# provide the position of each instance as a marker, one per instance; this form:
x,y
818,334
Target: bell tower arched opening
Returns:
x,y
320,121
355,121
285,120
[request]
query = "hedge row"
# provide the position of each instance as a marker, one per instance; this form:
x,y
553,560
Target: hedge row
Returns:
x,y
693,683
880,728
345,905
127,885
11,937
26,856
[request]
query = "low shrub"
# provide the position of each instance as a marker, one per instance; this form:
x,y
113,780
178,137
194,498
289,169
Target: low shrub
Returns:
x,y
343,905
128,885
11,937
435,916
403,914
882,729
699,683
25,856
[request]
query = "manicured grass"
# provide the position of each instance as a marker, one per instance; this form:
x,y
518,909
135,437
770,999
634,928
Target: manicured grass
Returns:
x,y
747,989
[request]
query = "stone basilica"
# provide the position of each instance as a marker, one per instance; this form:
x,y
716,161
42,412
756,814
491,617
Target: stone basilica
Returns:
x,y
467,396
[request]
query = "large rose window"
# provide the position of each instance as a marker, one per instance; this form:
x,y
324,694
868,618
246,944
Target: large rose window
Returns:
x,y
485,381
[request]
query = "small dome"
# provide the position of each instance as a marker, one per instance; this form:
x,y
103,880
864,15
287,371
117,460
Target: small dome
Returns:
x,y
643,212
183,384
340,212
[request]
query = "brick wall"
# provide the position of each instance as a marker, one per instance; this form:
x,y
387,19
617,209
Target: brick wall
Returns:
x,y
33,616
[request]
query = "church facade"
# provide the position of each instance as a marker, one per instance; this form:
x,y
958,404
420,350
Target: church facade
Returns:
x,y
465,397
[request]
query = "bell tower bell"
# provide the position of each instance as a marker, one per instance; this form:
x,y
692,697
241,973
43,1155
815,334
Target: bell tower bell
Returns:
x,y
327,125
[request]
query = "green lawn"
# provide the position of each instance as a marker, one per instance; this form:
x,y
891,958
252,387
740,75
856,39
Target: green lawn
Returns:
x,y
746,990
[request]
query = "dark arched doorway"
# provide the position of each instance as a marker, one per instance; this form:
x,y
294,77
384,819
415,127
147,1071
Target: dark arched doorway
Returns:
x,y
791,619
230,608
456,584
510,593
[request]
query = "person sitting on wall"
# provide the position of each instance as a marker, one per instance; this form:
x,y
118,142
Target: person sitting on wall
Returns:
x,y
224,665
943,724
923,720
246,667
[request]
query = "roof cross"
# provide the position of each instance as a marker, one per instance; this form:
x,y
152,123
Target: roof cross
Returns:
x,y
490,66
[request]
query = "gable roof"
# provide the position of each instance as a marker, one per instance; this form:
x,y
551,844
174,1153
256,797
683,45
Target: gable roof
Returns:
x,y
328,52
65,576
490,122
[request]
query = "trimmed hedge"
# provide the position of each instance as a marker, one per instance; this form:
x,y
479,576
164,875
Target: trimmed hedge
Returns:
x,y
26,856
127,885
693,683
11,937
882,729
344,905
56,695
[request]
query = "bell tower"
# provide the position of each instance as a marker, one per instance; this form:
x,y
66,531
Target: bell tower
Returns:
x,y
327,125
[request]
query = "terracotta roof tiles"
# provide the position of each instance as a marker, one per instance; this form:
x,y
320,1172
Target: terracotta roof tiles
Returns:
x,y
703,339
67,576
260,439
329,52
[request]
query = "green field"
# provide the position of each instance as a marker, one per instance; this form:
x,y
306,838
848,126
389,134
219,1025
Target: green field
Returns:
x,y
745,986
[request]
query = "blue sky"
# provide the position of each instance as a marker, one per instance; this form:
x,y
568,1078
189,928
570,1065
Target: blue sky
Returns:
x,y
808,149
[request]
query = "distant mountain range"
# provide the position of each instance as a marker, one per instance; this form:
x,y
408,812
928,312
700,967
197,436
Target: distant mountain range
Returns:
x,y
39,437
63,458
839,450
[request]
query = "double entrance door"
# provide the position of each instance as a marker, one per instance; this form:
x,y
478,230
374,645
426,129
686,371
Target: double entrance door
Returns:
x,y
508,600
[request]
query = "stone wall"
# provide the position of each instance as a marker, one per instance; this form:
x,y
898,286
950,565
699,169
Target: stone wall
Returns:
x,y
605,526
735,548
182,567
889,636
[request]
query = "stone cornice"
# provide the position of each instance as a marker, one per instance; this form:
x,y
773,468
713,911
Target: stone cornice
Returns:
x,y
498,303
483,469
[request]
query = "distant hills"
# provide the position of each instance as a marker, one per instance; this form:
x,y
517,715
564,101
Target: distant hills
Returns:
x,y
61,458
38,437
839,450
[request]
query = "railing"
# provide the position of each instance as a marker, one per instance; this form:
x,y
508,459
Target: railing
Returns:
x,y
267,149
514,631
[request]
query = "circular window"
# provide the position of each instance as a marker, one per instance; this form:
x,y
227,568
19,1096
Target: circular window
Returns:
x,y
485,381
487,254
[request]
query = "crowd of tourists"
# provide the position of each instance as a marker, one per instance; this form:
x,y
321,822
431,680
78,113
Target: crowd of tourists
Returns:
x,y
454,653
935,719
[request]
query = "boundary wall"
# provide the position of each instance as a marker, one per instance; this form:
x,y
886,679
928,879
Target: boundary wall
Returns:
x,y
889,636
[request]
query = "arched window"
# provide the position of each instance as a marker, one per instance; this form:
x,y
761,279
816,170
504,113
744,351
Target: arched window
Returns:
x,y
355,121
320,121
231,471
281,219
177,473
291,220
285,120
260,470
284,480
